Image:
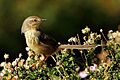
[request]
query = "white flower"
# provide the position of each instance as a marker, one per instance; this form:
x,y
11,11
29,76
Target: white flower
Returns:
x,y
83,31
3,71
84,74
37,65
71,39
77,69
16,68
101,30
110,36
30,53
42,57
59,43
104,65
110,31
36,57
1,74
93,68
3,64
9,65
17,59
118,34
20,55
14,63
99,36
28,59
21,62
6,56
16,77
26,66
84,38
27,48
86,30
90,41
75,39
81,51
64,50
58,63
114,35
92,35
9,70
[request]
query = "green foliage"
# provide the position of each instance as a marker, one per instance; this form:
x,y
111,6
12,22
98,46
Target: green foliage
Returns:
x,y
89,64
63,69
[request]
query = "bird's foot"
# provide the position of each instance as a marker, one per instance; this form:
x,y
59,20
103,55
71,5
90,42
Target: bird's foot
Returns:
x,y
42,57
40,62
30,53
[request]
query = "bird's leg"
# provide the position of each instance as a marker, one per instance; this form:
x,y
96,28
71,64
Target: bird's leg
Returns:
x,y
42,58
53,58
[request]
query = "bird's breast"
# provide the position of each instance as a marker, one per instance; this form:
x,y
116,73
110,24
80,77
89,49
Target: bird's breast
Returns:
x,y
32,38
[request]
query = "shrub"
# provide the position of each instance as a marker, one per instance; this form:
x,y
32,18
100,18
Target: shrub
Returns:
x,y
99,63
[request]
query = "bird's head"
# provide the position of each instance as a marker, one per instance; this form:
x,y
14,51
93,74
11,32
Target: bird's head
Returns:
x,y
31,22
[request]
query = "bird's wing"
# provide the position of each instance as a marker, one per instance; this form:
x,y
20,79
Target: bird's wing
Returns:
x,y
45,39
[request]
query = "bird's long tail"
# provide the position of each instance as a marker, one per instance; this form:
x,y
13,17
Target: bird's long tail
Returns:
x,y
78,46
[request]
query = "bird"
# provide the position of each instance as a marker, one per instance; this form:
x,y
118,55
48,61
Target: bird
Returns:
x,y
42,44
36,39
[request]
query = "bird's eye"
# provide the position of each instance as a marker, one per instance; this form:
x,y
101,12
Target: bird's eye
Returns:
x,y
35,20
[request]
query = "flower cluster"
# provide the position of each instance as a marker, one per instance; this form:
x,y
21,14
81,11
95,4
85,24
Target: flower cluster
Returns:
x,y
90,64
114,36
13,70
32,69
9,68
90,37
86,72
86,30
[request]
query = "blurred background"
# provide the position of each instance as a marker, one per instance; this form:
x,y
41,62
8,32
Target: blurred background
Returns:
x,y
65,18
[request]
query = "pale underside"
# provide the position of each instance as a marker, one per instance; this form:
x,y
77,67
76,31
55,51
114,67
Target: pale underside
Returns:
x,y
33,42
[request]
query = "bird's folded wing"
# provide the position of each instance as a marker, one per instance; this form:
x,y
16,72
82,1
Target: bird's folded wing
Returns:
x,y
45,39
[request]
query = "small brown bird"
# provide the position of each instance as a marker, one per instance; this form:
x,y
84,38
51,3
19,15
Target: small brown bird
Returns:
x,y
39,42
36,40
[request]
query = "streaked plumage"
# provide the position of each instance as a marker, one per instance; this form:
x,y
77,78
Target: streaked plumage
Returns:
x,y
36,40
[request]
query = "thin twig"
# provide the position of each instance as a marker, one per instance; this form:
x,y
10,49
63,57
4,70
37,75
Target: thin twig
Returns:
x,y
78,39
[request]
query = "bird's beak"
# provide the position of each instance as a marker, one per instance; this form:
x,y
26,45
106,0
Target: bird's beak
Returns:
x,y
43,19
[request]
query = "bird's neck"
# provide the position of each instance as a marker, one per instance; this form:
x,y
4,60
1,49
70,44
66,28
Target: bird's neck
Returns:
x,y
32,32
